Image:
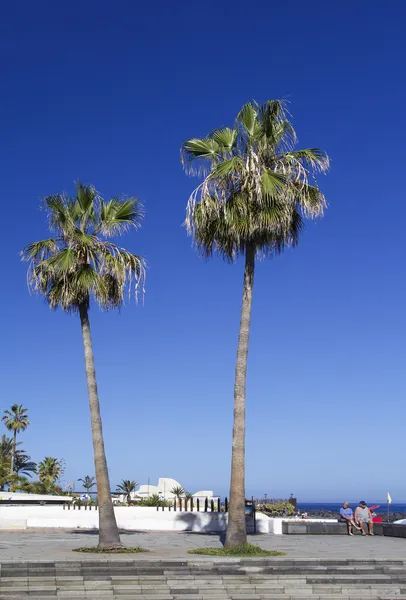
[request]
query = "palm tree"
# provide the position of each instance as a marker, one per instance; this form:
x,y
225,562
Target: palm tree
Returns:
x,y
16,420
252,201
126,487
23,465
178,491
6,451
49,471
88,482
78,264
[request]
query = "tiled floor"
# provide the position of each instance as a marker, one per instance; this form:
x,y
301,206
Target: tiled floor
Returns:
x,y
51,545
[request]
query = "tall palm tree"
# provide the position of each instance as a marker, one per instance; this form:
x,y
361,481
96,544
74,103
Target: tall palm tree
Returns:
x,y
126,487
88,482
79,264
255,192
16,420
50,470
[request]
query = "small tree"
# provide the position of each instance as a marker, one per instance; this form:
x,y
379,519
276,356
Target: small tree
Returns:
x,y
88,482
127,487
49,471
178,491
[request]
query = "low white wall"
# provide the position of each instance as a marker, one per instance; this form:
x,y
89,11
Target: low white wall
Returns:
x,y
129,518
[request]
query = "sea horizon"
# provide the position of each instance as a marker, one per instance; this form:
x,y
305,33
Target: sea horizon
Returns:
x,y
395,507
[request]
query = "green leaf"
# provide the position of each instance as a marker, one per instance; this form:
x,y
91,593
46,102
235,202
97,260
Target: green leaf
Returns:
x,y
39,249
225,138
85,195
227,168
63,261
313,158
118,215
248,118
271,183
200,148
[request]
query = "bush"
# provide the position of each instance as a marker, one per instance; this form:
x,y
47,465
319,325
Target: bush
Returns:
x,y
154,500
277,509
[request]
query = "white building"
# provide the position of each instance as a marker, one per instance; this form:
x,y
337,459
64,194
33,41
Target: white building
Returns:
x,y
163,489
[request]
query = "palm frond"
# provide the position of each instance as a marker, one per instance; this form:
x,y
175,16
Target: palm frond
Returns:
x,y
226,168
225,138
310,158
248,117
118,215
39,250
272,183
200,148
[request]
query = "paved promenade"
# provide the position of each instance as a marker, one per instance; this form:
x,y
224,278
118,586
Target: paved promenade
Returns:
x,y
57,545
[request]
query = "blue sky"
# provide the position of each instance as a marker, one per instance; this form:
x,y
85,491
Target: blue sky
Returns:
x,y
106,92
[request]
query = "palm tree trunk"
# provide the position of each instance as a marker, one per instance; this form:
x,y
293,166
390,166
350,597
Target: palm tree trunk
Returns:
x,y
13,452
236,530
108,531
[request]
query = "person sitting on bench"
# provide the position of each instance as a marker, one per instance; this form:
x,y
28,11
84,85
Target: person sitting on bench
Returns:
x,y
347,516
363,516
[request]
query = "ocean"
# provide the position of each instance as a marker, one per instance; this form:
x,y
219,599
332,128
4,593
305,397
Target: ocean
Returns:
x,y
335,506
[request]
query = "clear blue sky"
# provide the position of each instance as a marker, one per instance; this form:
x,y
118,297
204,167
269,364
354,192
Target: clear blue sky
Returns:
x,y
106,92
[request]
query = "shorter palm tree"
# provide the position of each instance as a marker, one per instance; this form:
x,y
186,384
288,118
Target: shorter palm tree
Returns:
x,y
7,448
178,491
15,420
88,482
49,471
23,465
76,266
127,487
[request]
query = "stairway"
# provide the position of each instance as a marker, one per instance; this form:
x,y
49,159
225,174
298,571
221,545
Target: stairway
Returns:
x,y
219,579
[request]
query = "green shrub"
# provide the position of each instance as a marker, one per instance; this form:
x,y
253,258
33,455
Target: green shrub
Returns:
x,y
277,509
154,500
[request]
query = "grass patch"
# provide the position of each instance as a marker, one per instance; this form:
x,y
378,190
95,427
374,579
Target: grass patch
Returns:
x,y
244,550
120,550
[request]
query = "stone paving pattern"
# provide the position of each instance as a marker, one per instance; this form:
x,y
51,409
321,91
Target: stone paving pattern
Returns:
x,y
57,545
42,566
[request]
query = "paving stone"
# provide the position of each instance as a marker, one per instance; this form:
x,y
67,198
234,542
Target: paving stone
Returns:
x,y
187,597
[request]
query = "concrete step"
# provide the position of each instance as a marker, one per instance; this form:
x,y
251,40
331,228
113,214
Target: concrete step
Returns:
x,y
205,580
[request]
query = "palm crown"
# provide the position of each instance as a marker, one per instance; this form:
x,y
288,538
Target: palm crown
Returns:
x,y
50,469
79,262
127,486
257,188
16,418
88,482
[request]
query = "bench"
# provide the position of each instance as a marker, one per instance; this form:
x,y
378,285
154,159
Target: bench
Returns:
x,y
320,528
